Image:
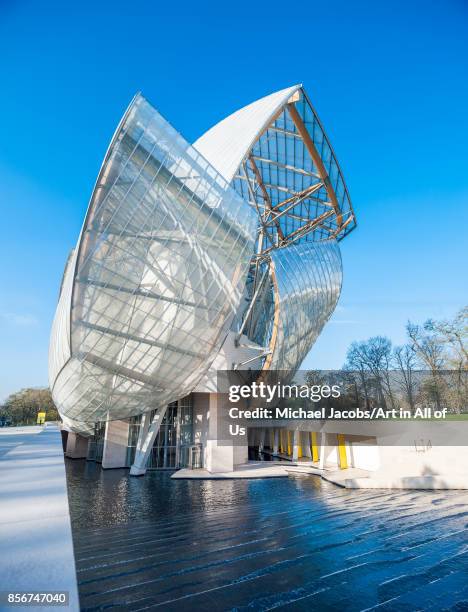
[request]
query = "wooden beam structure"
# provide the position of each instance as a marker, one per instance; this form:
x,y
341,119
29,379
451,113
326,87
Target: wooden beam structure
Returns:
x,y
301,128
266,195
301,195
278,164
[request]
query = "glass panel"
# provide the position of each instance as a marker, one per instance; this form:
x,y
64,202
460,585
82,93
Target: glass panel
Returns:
x,y
161,267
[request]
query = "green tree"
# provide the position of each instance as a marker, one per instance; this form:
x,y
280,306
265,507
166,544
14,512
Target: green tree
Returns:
x,y
21,408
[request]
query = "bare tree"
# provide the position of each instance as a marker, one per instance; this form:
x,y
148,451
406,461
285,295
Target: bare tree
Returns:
x,y
453,336
380,363
376,354
431,352
355,362
405,361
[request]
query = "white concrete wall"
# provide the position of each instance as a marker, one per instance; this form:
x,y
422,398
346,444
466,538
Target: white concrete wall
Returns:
x,y
363,453
219,455
409,450
328,450
115,444
77,446
35,530
241,454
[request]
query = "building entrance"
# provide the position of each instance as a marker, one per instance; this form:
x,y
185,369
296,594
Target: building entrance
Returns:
x,y
173,446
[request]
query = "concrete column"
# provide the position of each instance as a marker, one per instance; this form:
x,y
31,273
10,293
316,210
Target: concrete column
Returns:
x,y
323,447
115,444
77,446
261,443
271,438
305,437
222,455
296,445
276,442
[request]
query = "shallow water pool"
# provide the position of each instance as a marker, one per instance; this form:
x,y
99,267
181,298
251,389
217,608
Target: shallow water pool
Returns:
x,y
296,543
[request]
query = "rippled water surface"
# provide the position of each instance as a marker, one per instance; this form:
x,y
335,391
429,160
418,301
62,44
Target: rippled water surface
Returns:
x,y
295,543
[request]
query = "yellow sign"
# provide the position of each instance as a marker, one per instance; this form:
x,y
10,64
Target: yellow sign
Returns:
x,y
41,418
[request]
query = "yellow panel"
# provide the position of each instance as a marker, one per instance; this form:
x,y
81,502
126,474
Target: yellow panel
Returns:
x,y
289,443
299,448
342,451
315,448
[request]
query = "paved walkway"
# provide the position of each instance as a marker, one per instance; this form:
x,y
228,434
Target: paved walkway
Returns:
x,y
35,532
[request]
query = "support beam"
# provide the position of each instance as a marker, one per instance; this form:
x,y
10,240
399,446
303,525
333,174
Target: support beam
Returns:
x,y
265,193
296,450
278,164
314,446
305,442
148,431
342,455
305,229
138,339
140,292
276,316
249,310
342,227
323,450
301,195
261,444
310,146
276,441
261,215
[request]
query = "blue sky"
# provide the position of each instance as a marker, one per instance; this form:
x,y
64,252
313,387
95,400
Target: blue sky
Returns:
x,y
389,81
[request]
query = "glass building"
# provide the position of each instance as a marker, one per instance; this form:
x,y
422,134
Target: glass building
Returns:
x,y
192,259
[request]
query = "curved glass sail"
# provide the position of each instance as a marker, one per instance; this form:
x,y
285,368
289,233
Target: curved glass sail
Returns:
x,y
277,156
160,269
307,280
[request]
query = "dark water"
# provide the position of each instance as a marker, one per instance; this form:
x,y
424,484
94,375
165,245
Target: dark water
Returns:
x,y
294,544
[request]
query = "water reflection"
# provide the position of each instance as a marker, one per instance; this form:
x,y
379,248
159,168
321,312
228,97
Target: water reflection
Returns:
x,y
298,542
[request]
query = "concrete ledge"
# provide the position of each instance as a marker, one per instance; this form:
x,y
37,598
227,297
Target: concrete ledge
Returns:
x,y
349,478
408,482
35,530
248,470
303,469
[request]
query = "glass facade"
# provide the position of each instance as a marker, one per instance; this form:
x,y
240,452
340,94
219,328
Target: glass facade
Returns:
x,y
174,256
160,270
291,176
308,278
173,447
296,177
96,443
